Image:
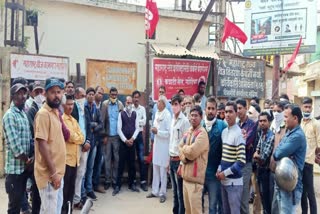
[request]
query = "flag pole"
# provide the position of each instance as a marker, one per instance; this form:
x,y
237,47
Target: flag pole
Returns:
x,y
147,91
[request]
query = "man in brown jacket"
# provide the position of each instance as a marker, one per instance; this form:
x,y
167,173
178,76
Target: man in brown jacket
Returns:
x,y
194,157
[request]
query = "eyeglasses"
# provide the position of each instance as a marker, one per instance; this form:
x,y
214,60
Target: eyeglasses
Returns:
x,y
113,95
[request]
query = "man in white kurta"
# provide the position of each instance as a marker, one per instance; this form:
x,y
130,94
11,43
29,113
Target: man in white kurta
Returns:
x,y
161,158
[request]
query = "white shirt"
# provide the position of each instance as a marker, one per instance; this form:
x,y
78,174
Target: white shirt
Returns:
x,y
178,127
141,115
120,133
28,103
162,122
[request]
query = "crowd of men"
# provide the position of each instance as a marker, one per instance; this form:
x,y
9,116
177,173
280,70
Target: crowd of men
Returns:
x,y
60,139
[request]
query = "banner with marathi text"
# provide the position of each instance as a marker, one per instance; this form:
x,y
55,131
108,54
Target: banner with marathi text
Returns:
x,y
176,74
107,74
39,67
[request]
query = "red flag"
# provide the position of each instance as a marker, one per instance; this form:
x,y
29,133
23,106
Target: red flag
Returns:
x,y
232,30
293,57
151,17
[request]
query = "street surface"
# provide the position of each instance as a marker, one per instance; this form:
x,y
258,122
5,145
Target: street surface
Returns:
x,y
129,202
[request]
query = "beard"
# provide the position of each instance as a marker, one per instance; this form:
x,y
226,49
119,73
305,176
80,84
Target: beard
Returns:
x,y
210,117
54,103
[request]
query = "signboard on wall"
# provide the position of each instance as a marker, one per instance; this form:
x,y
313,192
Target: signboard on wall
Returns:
x,y
176,74
107,74
240,78
275,27
38,67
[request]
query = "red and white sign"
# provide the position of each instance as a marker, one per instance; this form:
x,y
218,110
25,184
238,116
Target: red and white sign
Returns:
x,y
37,67
176,74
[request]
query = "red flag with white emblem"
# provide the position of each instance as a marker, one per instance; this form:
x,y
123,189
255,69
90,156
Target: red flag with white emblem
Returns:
x,y
151,17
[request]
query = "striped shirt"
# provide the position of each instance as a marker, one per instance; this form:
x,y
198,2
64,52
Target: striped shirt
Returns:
x,y
17,139
233,155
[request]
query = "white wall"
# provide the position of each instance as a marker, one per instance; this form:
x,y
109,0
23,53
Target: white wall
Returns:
x,y
82,32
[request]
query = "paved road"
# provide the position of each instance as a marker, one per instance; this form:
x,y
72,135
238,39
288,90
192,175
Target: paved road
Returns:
x,y
129,202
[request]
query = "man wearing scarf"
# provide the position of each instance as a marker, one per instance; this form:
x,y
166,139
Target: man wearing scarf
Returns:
x,y
279,130
214,128
311,128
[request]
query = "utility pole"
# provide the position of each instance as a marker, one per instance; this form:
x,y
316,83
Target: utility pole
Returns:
x,y
276,77
200,24
219,22
147,94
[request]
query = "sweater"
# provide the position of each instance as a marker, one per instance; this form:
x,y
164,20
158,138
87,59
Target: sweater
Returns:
x,y
233,155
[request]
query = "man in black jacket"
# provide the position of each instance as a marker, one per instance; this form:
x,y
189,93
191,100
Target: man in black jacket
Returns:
x,y
35,106
93,128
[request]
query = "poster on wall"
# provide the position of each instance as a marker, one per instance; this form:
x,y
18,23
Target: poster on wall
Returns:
x,y
107,74
275,27
240,78
38,67
176,74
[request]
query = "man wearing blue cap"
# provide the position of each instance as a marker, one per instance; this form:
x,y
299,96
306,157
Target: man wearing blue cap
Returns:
x,y
50,149
17,141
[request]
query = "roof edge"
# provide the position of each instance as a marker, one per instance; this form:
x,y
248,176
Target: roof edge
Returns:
x,y
136,9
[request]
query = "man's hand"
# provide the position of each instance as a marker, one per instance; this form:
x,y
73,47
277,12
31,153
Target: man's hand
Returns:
x,y
220,176
105,140
131,141
29,164
86,147
256,156
30,161
244,134
154,130
93,125
56,181
128,143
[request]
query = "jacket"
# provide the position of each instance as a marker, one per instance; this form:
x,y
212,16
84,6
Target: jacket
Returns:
x,y
215,150
105,116
31,114
93,123
194,150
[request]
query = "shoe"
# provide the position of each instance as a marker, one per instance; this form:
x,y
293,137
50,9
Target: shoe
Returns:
x,y
162,199
151,195
114,186
83,200
107,186
99,189
133,188
144,187
78,206
116,191
92,196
